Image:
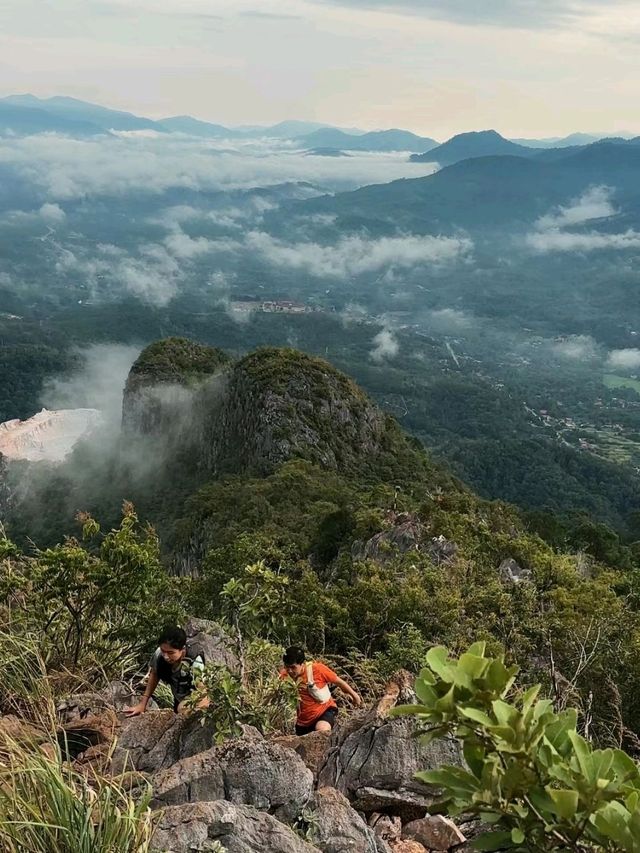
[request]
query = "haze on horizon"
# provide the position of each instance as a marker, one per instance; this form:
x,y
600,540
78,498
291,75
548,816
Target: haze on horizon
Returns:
x,y
529,68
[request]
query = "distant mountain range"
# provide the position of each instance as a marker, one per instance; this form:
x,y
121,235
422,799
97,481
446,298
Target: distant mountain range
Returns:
x,y
24,115
484,192
377,140
489,143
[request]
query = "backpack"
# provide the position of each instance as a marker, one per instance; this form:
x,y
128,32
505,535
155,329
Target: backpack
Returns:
x,y
320,694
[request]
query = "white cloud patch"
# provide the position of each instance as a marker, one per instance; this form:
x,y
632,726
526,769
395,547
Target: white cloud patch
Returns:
x,y
385,346
449,320
576,347
62,168
52,213
357,255
152,275
628,359
565,241
97,385
183,246
595,203
551,234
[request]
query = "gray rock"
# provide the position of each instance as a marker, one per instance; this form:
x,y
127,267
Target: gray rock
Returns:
x,y
434,832
442,550
373,760
512,572
404,534
264,775
337,827
212,641
157,740
239,829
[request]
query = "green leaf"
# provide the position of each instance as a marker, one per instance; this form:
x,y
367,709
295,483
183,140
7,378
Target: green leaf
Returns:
x,y
517,835
437,658
565,802
493,841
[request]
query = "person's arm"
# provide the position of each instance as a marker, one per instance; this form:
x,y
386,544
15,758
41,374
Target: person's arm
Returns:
x,y
141,707
351,693
333,678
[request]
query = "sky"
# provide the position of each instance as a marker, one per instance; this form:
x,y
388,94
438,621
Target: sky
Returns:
x,y
528,68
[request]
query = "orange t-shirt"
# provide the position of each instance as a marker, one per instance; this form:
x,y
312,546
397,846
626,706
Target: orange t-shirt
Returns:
x,y
308,709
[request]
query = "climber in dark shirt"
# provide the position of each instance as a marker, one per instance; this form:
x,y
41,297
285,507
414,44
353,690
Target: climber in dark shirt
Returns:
x,y
177,665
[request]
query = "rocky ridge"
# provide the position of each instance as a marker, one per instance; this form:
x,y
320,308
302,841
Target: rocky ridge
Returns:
x,y
351,792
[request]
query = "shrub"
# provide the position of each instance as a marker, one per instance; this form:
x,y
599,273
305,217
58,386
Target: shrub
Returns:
x,y
46,807
264,700
530,774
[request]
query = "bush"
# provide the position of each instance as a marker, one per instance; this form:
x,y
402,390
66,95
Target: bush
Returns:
x,y
264,700
531,775
46,807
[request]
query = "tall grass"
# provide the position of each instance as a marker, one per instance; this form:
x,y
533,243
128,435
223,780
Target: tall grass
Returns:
x,y
47,807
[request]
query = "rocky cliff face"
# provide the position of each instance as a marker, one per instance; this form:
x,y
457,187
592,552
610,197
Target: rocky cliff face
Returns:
x,y
282,404
165,385
250,416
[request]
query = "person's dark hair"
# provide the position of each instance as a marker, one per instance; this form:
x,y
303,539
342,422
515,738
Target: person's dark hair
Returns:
x,y
174,636
294,654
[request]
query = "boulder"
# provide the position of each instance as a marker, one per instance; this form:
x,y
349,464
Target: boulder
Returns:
x,y
512,572
408,847
14,728
239,829
386,827
211,641
158,739
434,832
373,759
311,748
264,775
404,533
147,743
337,828
442,550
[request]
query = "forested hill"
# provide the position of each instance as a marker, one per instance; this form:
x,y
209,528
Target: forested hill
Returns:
x,y
279,461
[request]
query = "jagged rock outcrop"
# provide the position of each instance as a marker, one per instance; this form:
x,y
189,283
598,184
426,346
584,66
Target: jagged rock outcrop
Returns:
x,y
169,386
338,828
158,739
311,748
435,832
512,572
373,759
239,829
212,641
283,404
264,775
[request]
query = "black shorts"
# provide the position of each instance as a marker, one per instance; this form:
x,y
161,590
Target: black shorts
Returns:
x,y
329,716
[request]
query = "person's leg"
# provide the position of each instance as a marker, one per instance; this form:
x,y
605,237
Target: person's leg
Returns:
x,y
326,721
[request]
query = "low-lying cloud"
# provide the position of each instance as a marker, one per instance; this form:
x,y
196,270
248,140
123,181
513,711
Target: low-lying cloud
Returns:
x,y
385,346
356,255
551,234
61,168
627,359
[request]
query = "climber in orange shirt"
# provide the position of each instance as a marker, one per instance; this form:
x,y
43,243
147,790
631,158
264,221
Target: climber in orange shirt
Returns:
x,y
317,709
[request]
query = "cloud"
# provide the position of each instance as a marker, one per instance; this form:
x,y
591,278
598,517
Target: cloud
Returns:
x,y
60,168
385,348
520,14
595,203
576,347
565,241
183,246
449,320
152,275
628,359
98,384
52,213
551,234
357,255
